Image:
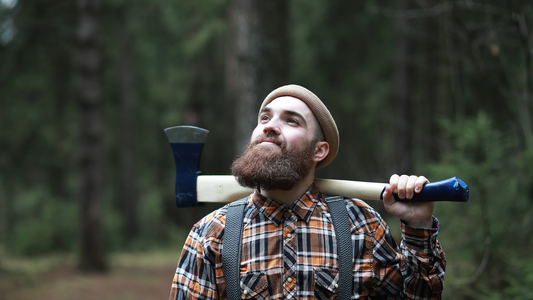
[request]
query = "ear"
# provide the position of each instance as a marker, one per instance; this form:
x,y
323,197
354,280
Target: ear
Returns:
x,y
321,151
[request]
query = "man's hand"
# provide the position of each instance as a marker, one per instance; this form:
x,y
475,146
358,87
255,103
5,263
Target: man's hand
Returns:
x,y
414,214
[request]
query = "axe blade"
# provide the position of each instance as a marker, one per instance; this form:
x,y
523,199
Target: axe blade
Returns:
x,y
187,143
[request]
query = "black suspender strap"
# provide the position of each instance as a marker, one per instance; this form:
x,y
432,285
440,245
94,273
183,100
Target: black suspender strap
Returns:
x,y
341,223
231,248
232,242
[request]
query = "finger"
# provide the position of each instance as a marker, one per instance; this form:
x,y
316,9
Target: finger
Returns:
x,y
402,183
420,182
387,194
394,183
388,199
410,186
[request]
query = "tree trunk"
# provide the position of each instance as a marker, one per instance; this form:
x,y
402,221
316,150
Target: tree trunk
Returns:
x,y
526,97
128,182
427,149
257,58
404,94
92,251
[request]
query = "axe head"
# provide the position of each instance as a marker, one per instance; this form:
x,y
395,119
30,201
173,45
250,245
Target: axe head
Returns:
x,y
187,143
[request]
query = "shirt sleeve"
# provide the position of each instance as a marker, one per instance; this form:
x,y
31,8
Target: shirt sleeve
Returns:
x,y
425,262
415,270
194,277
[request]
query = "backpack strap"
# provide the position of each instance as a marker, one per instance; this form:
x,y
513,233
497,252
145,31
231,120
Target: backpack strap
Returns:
x,y
231,248
232,242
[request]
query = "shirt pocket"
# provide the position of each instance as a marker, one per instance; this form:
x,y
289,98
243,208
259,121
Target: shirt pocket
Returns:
x,y
255,286
326,283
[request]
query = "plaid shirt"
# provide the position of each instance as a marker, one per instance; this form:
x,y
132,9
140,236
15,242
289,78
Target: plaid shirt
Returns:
x,y
291,253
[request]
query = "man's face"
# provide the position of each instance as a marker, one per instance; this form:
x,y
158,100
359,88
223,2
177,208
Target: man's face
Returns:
x,y
286,120
283,148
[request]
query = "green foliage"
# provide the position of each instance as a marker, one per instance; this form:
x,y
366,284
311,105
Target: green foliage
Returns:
x,y
496,234
49,224
517,283
350,69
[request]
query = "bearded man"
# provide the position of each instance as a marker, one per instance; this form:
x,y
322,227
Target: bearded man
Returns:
x,y
289,248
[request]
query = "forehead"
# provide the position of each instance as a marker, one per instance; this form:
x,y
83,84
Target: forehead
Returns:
x,y
290,104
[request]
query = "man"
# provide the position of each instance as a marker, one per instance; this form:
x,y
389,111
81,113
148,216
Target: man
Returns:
x,y
289,250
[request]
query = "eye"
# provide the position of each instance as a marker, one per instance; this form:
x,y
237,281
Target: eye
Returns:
x,y
293,121
263,118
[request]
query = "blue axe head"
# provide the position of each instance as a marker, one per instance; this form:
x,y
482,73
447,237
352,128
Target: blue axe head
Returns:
x,y
187,143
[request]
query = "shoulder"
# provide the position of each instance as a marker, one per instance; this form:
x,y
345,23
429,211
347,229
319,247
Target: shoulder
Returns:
x,y
212,225
363,216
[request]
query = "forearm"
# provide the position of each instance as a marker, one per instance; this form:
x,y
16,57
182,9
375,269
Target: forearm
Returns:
x,y
424,261
415,270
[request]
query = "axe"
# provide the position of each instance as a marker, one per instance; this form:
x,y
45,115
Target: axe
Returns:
x,y
187,143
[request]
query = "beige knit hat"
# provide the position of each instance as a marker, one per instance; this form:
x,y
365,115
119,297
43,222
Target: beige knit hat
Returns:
x,y
320,111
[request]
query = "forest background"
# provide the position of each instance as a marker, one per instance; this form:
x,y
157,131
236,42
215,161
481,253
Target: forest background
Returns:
x,y
440,88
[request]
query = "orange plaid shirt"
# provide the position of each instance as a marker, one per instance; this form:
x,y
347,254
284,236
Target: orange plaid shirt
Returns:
x,y
291,253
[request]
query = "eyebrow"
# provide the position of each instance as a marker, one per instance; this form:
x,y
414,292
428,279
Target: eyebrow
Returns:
x,y
287,112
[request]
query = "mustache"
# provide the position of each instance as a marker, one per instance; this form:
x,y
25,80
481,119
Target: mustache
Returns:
x,y
271,138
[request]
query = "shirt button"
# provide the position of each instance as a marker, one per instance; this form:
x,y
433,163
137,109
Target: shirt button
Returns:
x,y
245,292
289,235
336,286
289,280
290,211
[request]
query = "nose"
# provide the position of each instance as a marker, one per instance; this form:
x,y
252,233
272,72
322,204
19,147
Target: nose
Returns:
x,y
271,128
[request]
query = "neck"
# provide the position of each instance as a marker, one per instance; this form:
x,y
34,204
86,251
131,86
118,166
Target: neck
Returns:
x,y
288,197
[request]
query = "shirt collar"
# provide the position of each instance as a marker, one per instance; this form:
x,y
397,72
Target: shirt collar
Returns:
x,y
303,207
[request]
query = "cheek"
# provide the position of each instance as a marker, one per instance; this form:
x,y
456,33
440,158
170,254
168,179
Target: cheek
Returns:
x,y
297,142
257,132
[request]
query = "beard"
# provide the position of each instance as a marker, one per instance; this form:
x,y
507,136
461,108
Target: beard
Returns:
x,y
271,168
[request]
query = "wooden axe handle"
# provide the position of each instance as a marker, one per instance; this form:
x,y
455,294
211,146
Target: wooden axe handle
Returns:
x,y
219,188
224,188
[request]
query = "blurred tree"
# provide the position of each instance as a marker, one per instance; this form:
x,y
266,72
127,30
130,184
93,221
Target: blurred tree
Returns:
x,y
92,250
127,146
37,154
344,52
404,92
257,58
